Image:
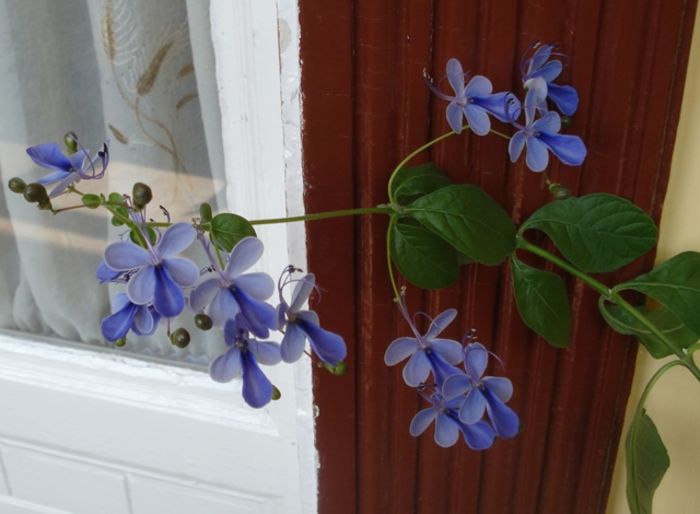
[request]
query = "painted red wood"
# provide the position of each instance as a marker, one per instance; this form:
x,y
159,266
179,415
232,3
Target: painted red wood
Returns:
x,y
365,106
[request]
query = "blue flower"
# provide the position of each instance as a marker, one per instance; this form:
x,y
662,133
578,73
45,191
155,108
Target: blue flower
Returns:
x,y
478,436
482,394
299,325
474,101
233,292
427,352
142,319
241,360
158,274
541,136
67,169
539,66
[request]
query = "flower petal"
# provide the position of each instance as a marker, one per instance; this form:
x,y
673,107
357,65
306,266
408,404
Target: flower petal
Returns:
x,y
49,155
246,253
537,156
144,322
183,271
259,316
104,273
266,352
446,430
168,298
257,388
421,421
455,76
454,114
77,159
549,71
293,342
455,386
478,436
550,123
123,256
564,97
515,145
118,324
176,239
302,290
478,119
223,307
501,387
54,176
204,293
478,86
569,149
441,368
504,106
476,358
227,366
417,369
449,349
504,419
328,346
64,183
473,407
440,323
400,349
258,285
142,286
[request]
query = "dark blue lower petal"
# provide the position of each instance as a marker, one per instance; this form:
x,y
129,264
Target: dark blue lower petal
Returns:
x,y
569,149
118,324
329,347
441,368
564,97
168,298
478,436
504,419
257,388
503,106
259,316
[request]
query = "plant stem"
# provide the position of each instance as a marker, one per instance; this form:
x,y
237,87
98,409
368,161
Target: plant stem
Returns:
x,y
389,264
655,378
614,297
325,215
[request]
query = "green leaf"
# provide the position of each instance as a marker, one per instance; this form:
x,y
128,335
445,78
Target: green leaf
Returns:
x,y
597,232
469,219
646,460
542,302
411,183
425,259
676,285
227,229
624,323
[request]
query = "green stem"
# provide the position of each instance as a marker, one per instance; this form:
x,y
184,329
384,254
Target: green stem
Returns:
x,y
389,264
614,297
71,208
654,378
325,215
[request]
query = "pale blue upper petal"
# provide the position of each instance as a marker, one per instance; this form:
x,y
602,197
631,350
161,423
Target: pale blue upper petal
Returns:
x,y
246,253
400,349
175,240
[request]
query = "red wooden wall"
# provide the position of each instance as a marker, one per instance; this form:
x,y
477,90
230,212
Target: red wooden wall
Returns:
x,y
365,106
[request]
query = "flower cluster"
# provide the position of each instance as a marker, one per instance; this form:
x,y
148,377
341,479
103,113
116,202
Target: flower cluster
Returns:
x,y
540,133
459,396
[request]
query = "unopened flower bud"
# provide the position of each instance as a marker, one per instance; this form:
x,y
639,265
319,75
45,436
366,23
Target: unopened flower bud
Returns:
x,y
203,322
141,195
17,185
45,205
71,142
276,393
35,193
339,369
180,338
91,201
120,342
205,212
559,192
116,198
565,121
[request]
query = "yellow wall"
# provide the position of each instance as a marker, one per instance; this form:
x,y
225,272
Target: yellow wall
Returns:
x,y
674,404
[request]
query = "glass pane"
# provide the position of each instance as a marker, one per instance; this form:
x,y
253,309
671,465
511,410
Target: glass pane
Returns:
x,y
127,71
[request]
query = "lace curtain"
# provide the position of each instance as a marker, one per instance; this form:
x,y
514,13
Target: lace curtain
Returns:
x,y
138,73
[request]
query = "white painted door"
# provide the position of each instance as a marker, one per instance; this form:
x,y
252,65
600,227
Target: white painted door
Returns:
x,y
91,431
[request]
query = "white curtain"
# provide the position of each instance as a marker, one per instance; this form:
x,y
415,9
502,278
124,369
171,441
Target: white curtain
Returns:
x,y
139,73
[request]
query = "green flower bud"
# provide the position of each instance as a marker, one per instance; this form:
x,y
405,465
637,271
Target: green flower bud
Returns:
x,y
71,142
559,192
45,205
205,212
565,121
276,393
91,201
338,370
116,198
203,322
35,193
180,338
141,195
17,185
120,342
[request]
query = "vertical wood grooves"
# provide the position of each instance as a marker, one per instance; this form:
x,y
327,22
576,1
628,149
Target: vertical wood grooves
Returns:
x,y
365,106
